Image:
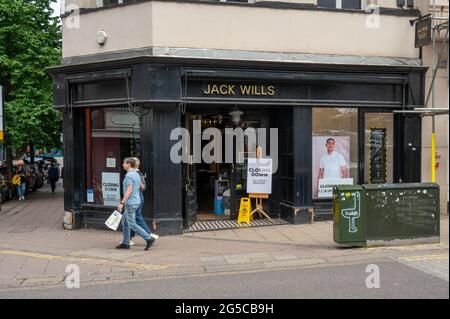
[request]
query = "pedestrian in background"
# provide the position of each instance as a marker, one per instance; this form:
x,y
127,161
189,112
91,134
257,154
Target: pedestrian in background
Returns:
x,y
20,181
53,176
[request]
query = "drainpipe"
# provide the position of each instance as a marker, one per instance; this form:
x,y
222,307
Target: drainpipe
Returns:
x,y
433,123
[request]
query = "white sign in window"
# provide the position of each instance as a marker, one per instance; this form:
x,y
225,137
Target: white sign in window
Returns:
x,y
259,175
111,162
111,189
326,186
90,195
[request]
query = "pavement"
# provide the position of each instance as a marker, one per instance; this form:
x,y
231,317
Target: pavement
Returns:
x,y
36,251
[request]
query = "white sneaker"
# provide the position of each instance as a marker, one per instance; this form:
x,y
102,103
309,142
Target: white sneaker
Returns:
x,y
154,236
131,243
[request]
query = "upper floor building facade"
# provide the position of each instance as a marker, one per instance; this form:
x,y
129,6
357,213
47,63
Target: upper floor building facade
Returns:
x,y
345,31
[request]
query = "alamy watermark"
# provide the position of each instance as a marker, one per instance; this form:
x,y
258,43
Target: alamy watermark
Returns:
x,y
72,20
373,279
72,276
238,144
373,19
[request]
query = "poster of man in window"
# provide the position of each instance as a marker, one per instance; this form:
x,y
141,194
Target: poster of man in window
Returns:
x,y
331,158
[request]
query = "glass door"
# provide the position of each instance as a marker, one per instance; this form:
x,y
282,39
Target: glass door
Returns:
x,y
378,157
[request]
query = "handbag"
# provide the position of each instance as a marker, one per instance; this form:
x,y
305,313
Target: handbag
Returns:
x,y
114,220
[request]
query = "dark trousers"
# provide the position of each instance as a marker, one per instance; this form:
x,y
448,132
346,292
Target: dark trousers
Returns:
x,y
52,184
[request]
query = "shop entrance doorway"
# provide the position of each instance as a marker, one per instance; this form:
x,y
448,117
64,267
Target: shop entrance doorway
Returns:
x,y
213,190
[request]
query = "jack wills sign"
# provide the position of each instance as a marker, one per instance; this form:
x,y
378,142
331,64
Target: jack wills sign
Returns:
x,y
270,91
226,89
239,90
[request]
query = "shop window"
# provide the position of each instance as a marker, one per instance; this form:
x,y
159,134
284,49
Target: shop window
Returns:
x,y
113,135
335,149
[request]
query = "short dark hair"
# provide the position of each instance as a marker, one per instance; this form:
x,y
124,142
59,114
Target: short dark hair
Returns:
x,y
330,139
131,161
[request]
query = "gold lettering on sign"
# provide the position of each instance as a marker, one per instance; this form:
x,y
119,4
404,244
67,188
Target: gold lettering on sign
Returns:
x,y
230,89
223,89
245,90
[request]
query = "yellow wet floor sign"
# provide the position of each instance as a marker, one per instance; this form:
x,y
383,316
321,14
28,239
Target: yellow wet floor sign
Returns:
x,y
245,211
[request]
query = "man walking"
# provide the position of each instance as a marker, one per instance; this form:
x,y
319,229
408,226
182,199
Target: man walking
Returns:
x,y
139,215
129,204
53,176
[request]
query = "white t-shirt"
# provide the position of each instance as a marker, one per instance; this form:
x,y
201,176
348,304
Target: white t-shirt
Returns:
x,y
332,165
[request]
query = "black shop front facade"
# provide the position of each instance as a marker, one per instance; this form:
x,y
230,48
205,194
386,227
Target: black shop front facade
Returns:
x,y
323,125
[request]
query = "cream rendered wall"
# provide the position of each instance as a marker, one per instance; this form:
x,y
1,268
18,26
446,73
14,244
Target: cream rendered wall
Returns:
x,y
263,29
127,27
186,25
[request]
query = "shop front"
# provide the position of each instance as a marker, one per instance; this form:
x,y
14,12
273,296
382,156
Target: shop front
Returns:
x,y
321,125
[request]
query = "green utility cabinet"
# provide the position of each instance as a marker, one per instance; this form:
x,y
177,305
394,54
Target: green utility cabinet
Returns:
x,y
402,212
348,215
386,214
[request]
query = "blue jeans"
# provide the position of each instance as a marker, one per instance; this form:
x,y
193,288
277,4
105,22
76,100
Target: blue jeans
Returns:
x,y
129,222
140,219
21,190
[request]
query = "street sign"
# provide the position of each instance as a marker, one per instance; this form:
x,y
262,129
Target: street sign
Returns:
x,y
423,32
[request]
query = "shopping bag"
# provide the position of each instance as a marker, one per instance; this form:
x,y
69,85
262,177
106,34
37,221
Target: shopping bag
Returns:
x,y
114,220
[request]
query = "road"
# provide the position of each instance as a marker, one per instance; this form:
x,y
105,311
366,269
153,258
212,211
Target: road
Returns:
x,y
398,279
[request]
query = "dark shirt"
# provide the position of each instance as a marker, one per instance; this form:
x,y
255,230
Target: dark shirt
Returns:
x,y
23,179
53,173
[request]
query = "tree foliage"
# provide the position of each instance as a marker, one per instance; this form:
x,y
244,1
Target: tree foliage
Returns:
x,y
30,41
